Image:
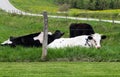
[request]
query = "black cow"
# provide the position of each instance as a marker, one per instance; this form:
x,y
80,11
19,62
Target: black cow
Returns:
x,y
32,40
77,29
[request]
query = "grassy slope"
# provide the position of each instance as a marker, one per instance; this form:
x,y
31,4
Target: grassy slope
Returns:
x,y
12,25
20,25
38,6
35,6
61,69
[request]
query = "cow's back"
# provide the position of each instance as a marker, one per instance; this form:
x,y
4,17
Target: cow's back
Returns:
x,y
68,42
77,29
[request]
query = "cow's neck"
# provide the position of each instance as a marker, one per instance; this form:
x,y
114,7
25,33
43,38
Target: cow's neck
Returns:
x,y
87,43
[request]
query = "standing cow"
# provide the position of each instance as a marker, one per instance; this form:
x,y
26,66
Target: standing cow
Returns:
x,y
32,40
77,29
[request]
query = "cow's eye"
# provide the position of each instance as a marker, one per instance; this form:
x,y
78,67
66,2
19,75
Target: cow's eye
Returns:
x,y
95,42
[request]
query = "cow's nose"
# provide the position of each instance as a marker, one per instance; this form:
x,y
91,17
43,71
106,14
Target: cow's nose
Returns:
x,y
98,47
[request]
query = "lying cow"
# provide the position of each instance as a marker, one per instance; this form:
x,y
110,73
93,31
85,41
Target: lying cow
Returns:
x,y
83,41
32,40
77,29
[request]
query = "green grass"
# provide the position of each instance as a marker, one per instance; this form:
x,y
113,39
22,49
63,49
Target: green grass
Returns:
x,y
24,62
61,69
38,6
18,25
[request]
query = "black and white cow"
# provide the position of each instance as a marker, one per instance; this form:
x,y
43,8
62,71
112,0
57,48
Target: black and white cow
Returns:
x,y
32,40
77,29
82,41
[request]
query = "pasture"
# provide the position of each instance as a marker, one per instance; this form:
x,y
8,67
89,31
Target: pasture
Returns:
x,y
38,6
76,62
61,69
18,25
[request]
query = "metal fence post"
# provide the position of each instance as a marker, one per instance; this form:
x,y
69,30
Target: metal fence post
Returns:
x,y
45,37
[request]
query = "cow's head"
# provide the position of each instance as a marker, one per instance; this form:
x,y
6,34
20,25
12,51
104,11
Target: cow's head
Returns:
x,y
94,40
57,34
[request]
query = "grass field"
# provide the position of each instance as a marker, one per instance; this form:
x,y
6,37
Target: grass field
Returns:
x,y
61,69
18,25
76,62
38,6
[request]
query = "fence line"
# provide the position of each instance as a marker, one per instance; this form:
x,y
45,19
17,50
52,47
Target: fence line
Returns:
x,y
66,17
45,37
8,7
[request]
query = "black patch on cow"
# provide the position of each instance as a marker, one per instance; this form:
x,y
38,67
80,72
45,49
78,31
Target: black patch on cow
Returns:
x,y
77,29
103,37
57,34
90,37
28,40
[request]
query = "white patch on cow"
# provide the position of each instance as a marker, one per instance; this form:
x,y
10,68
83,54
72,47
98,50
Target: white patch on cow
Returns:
x,y
68,42
49,33
7,42
40,37
77,41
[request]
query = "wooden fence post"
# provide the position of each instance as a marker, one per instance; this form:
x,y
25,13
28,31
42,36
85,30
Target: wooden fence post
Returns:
x,y
45,37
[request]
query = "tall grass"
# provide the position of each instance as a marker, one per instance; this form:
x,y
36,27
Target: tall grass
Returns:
x,y
18,25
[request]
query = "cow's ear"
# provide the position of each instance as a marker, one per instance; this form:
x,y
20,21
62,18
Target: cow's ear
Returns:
x,y
62,34
103,37
90,37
